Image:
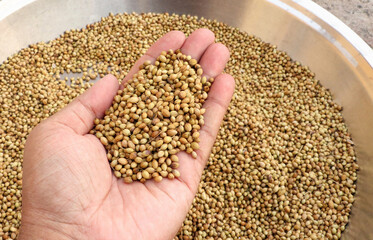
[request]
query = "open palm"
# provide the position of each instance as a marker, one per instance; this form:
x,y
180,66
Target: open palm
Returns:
x,y
69,191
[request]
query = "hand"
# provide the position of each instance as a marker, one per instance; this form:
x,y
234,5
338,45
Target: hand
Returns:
x,y
69,190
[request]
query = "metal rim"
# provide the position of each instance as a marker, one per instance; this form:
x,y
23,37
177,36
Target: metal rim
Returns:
x,y
361,46
7,7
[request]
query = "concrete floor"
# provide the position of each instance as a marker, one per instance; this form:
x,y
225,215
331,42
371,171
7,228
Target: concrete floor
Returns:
x,y
357,14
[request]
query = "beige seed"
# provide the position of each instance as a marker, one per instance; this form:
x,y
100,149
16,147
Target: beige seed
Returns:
x,y
167,139
174,158
196,135
188,127
117,174
199,71
133,100
128,180
140,88
192,62
161,154
126,132
113,163
171,133
195,146
182,94
162,58
176,173
164,173
158,178
150,170
145,174
166,113
104,141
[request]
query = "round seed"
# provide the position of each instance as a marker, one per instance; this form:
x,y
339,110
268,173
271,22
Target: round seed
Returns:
x,y
145,174
158,178
104,141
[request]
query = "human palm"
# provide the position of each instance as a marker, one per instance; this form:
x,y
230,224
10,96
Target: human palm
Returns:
x,y
69,191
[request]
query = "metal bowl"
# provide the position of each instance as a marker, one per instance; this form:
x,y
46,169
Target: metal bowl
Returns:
x,y
342,61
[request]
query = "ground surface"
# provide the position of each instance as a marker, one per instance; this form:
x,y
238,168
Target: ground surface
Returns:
x,y
357,14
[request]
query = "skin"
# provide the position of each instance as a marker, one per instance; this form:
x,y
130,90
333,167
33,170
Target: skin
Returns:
x,y
69,190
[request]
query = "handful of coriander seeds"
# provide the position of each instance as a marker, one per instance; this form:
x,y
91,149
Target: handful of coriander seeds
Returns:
x,y
158,114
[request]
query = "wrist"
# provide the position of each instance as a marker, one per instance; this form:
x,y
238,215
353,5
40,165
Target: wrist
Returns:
x,y
34,231
40,226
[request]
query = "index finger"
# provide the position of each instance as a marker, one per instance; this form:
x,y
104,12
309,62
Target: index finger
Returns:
x,y
172,40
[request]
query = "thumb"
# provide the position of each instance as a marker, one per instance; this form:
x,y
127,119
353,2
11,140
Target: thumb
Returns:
x,y
80,114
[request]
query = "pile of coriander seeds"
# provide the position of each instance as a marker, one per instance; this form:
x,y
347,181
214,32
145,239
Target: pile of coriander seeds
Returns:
x,y
157,114
283,165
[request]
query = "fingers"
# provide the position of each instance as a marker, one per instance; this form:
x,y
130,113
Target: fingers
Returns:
x,y
197,43
216,105
172,40
214,59
80,114
213,63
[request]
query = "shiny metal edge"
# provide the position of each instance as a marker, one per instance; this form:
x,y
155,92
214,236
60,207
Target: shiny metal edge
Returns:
x,y
361,46
8,7
313,22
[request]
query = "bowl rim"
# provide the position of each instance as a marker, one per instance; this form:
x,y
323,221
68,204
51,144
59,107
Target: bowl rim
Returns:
x,y
8,7
351,36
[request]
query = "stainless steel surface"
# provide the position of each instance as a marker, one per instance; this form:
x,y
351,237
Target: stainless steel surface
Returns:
x,y
340,59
